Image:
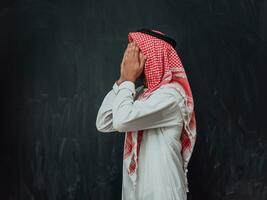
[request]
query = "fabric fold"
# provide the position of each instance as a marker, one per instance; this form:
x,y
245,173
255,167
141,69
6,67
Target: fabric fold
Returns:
x,y
163,66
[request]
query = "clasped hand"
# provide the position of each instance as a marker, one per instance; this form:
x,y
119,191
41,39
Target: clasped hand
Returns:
x,y
132,64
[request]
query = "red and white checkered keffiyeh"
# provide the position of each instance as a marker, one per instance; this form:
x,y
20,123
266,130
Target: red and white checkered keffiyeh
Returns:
x,y
162,66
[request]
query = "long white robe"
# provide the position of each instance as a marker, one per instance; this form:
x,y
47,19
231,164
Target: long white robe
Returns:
x,y
160,174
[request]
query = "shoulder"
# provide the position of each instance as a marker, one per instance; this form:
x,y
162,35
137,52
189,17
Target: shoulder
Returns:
x,y
173,89
171,92
168,94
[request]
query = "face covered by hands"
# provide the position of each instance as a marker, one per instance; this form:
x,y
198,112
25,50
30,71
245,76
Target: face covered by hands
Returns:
x,y
132,64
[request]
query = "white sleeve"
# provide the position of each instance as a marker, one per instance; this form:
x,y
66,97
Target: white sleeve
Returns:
x,y
160,109
104,115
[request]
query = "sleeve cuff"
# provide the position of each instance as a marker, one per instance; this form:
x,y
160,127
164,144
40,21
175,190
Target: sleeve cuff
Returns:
x,y
115,88
127,85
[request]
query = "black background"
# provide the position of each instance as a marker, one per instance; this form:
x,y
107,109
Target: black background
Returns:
x,y
59,59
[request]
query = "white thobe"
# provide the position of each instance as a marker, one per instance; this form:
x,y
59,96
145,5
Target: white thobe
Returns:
x,y
160,174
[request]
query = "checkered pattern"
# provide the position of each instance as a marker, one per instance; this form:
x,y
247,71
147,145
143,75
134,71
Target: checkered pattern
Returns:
x,y
163,66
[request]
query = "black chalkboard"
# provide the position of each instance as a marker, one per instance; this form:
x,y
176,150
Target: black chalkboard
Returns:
x,y
58,60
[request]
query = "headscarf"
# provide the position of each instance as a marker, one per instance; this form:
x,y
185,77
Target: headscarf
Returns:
x,y
163,66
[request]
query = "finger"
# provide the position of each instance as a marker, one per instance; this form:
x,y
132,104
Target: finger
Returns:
x,y
131,47
143,59
142,56
125,53
136,52
133,50
127,49
129,44
134,45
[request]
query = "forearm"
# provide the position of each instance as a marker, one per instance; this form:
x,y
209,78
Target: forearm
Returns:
x,y
159,110
104,115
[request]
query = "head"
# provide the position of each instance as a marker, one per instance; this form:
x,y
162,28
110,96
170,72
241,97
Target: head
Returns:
x,y
157,52
163,65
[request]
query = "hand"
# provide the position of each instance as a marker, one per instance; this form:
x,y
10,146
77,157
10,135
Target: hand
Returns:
x,y
132,64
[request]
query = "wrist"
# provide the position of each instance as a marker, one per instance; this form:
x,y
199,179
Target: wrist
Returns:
x,y
120,80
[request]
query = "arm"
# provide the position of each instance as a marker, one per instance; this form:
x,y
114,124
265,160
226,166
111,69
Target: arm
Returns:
x,y
104,115
161,109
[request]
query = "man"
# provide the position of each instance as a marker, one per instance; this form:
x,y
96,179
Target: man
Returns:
x,y
158,119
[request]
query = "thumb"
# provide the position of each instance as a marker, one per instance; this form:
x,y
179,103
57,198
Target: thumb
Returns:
x,y
143,59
